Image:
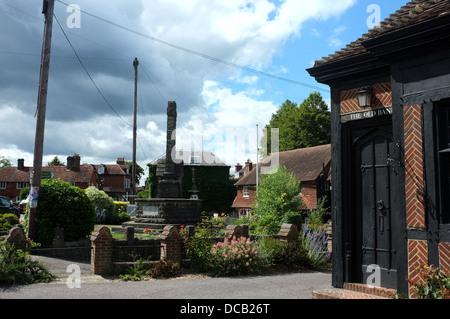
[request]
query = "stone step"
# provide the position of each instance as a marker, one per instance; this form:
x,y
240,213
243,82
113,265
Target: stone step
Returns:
x,y
354,291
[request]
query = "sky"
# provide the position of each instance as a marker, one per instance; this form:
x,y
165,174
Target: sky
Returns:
x,y
228,64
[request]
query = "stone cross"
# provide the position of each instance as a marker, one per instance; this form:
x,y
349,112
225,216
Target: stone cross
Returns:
x,y
168,172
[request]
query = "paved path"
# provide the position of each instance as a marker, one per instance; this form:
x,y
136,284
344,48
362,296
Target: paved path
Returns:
x,y
280,286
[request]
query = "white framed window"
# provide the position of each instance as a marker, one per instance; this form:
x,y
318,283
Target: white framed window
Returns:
x,y
101,169
127,183
21,185
246,192
2,185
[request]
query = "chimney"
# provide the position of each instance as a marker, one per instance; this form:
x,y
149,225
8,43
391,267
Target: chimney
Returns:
x,y
76,162
21,164
69,162
248,166
237,169
121,161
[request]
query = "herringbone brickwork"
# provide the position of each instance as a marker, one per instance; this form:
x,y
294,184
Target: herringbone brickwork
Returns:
x,y
444,255
417,257
381,97
414,182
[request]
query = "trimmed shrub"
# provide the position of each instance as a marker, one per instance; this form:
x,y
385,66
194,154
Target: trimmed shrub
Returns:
x,y
65,206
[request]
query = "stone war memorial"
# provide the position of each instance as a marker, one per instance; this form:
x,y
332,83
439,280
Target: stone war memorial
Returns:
x,y
169,208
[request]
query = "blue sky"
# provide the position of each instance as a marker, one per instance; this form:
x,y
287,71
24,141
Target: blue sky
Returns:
x,y
220,103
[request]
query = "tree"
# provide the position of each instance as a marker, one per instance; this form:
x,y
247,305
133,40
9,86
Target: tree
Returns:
x,y
278,200
55,161
4,162
139,171
306,125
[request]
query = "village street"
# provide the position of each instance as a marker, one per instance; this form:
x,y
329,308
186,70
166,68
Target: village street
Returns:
x,y
278,286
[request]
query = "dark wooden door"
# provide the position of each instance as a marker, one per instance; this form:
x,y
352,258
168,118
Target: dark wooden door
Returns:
x,y
373,216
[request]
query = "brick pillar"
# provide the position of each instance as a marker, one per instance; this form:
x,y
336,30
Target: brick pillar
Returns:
x,y
17,237
171,244
288,233
101,253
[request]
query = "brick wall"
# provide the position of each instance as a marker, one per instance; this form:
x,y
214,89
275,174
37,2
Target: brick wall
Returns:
x,y
417,257
444,255
381,97
104,260
414,189
414,181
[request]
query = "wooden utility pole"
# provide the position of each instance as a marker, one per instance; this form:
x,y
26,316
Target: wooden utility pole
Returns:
x,y
133,177
47,10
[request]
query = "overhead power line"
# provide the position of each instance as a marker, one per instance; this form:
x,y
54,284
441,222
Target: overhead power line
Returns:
x,y
88,74
200,54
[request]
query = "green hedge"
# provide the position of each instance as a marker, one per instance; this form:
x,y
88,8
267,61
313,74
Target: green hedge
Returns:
x,y
65,206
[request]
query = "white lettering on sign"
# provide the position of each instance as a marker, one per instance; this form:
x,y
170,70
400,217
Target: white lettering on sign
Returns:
x,y
366,114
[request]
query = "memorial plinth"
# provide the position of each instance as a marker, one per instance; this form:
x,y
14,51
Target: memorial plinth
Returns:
x,y
169,208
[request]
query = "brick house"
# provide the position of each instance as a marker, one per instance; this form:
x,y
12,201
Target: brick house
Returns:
x,y
14,178
114,179
390,93
310,165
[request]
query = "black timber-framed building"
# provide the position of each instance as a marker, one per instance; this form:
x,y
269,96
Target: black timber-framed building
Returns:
x,y
391,158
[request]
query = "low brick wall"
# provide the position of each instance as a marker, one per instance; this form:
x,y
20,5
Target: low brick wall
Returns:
x,y
109,255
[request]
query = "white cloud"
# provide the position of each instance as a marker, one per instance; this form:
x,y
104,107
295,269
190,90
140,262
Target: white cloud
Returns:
x,y
229,128
333,40
152,126
246,32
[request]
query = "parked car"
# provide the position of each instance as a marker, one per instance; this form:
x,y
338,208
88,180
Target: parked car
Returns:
x,y
8,208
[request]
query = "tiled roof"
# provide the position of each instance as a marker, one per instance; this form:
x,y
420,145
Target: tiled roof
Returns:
x,y
12,174
412,13
205,158
112,169
243,202
306,163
